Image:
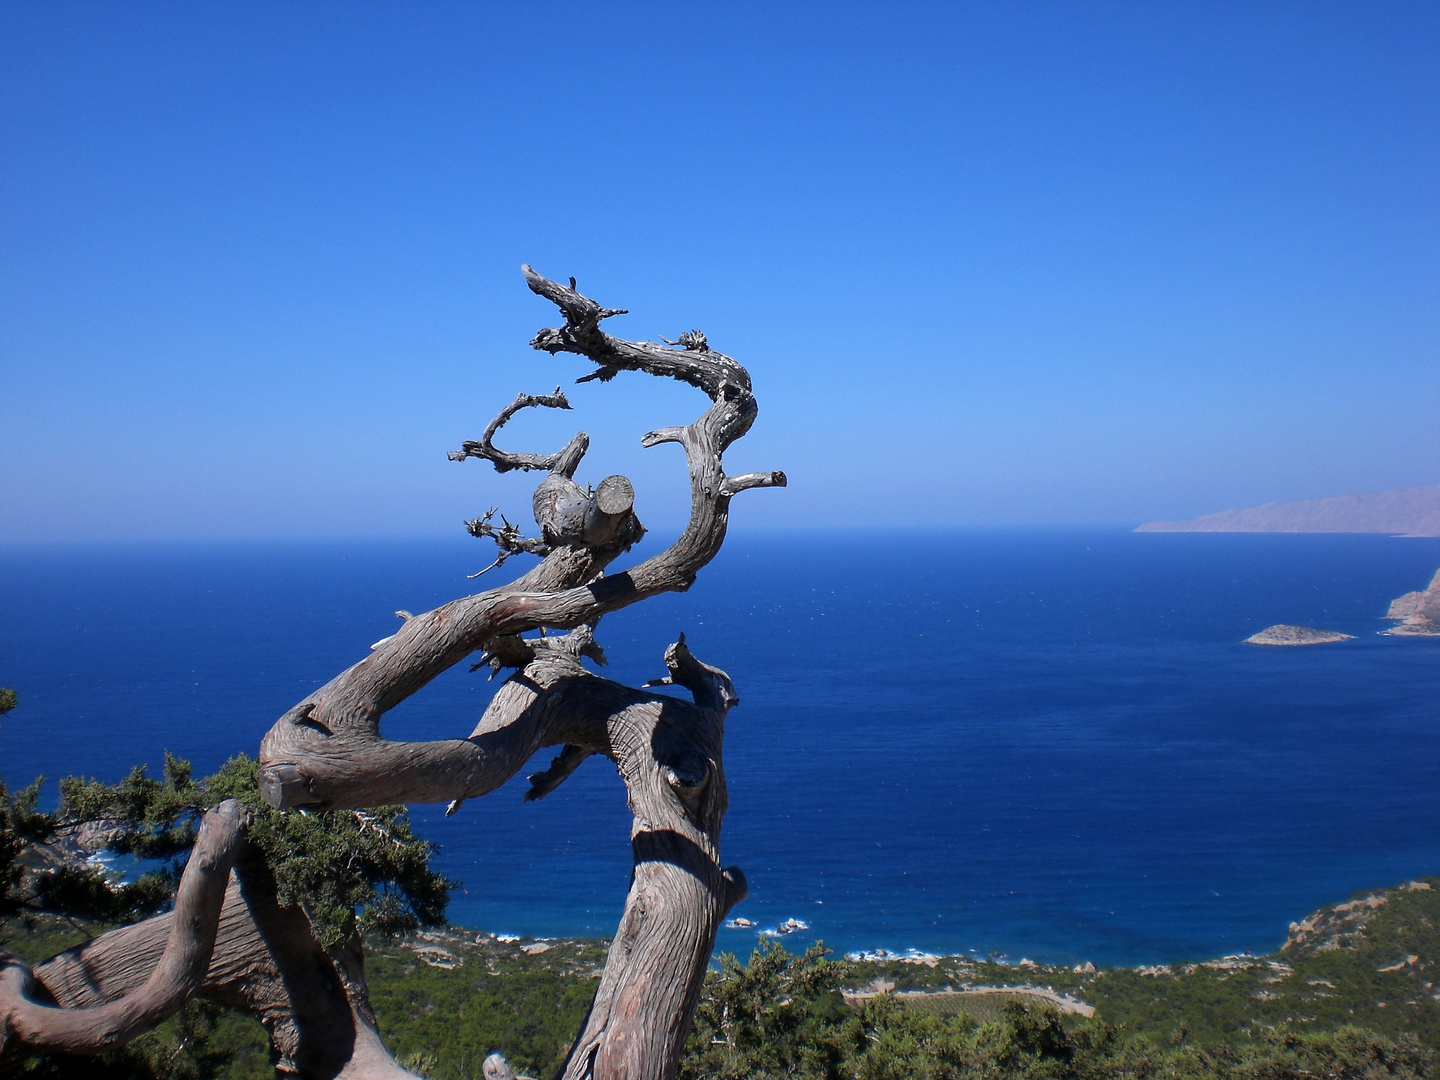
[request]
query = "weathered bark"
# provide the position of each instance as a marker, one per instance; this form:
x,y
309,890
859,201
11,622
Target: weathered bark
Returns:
x,y
328,751
670,759
266,961
669,753
170,981
238,946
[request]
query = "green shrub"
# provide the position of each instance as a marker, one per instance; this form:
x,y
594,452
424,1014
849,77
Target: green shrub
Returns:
x,y
351,870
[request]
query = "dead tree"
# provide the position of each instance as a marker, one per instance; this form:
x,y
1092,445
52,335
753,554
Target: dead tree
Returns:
x,y
328,753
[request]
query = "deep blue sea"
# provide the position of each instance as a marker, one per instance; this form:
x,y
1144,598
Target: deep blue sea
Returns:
x,y
1038,743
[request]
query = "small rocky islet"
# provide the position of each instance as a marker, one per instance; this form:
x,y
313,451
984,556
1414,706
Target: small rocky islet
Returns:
x,y
1416,613
1282,634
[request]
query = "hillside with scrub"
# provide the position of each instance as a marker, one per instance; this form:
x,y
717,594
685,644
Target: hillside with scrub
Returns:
x,y
1351,994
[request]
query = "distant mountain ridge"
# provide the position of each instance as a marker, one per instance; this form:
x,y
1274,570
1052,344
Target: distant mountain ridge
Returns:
x,y
1408,512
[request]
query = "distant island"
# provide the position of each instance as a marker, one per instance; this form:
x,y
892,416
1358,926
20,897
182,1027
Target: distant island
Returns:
x,y
1280,634
1407,512
1418,613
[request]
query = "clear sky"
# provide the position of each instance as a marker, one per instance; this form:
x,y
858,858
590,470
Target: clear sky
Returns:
x,y
1016,263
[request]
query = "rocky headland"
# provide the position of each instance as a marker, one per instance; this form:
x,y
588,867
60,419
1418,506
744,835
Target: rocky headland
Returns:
x,y
1281,634
1407,512
1418,613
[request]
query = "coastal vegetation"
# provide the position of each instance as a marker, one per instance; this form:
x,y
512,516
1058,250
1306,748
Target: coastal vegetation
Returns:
x,y
355,872
1352,993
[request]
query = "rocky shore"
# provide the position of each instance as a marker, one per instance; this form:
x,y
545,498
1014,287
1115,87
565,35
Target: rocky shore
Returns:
x,y
1418,613
1281,634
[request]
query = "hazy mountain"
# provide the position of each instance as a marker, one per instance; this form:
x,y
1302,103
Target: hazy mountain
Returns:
x,y
1410,511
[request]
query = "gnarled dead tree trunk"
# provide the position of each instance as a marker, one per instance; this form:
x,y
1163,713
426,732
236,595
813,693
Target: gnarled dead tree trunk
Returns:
x,y
265,961
328,753
27,1018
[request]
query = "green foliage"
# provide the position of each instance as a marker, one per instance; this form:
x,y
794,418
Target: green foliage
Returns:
x,y
1346,1054
785,1016
90,894
10,847
156,819
351,871
780,1015
772,1019
34,938
82,891
445,1020
1372,962
1353,997
27,823
8,700
20,824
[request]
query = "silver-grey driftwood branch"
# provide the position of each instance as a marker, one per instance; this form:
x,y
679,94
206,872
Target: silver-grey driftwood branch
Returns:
x,y
328,751
228,938
177,973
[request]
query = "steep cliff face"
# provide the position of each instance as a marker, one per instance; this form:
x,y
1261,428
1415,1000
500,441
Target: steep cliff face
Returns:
x,y
1410,512
1417,612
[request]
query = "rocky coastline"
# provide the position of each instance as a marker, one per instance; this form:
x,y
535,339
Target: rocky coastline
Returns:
x,y
1283,634
1418,613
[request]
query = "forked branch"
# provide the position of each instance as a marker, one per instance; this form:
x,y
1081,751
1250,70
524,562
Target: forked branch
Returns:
x,y
508,538
175,978
328,751
266,961
564,461
337,757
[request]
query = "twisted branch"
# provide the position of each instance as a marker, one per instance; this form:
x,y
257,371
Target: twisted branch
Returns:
x,y
334,755
312,1001
327,751
564,461
508,539
178,974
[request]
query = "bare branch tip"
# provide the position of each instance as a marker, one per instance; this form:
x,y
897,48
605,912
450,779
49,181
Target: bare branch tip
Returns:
x,y
736,887
733,485
662,435
601,374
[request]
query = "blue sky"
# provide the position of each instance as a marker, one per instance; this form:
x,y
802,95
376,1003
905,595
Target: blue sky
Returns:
x,y
988,264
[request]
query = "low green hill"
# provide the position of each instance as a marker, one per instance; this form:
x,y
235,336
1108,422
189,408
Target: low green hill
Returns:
x,y
1351,994
1371,961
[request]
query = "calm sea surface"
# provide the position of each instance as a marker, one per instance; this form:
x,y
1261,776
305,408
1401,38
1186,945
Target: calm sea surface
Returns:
x,y
1047,744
